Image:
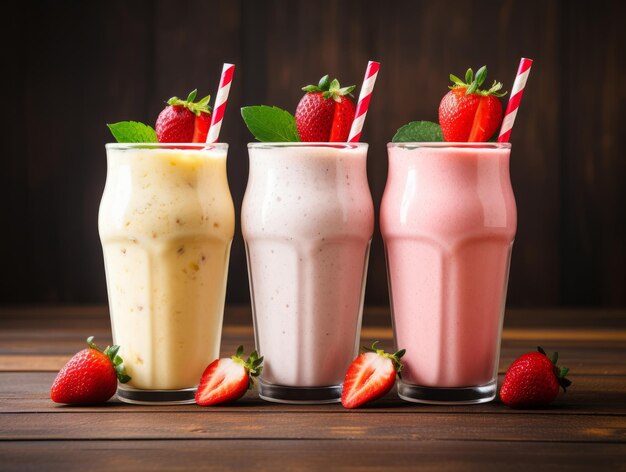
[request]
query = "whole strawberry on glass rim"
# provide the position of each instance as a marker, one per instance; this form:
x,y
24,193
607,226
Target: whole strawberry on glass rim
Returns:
x,y
90,377
533,380
370,376
469,114
181,121
325,113
184,121
226,380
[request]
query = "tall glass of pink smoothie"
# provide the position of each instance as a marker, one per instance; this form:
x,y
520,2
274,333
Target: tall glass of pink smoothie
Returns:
x,y
448,220
307,220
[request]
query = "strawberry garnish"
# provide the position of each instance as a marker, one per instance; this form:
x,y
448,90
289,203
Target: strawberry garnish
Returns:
x,y
325,112
469,114
184,121
226,380
370,376
89,377
533,380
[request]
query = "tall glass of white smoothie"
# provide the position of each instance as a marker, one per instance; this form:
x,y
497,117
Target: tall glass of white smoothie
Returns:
x,y
307,221
448,219
166,224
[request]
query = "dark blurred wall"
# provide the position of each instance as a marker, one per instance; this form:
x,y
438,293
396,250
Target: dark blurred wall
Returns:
x,y
71,67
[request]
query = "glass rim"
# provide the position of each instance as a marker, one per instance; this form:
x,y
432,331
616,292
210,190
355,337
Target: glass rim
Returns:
x,y
337,145
168,146
445,144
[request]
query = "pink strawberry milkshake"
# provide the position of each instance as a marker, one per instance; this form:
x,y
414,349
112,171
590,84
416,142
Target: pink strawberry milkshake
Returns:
x,y
448,219
307,220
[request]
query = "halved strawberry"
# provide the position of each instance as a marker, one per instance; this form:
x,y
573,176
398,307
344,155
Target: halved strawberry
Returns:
x,y
468,114
226,380
184,121
370,376
325,112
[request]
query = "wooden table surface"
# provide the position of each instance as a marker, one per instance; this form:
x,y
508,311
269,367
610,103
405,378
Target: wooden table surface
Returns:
x,y
585,429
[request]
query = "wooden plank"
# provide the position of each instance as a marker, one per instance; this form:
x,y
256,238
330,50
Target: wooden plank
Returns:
x,y
589,395
582,357
272,455
342,424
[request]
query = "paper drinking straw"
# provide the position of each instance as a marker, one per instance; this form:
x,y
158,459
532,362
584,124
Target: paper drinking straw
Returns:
x,y
364,101
515,99
220,103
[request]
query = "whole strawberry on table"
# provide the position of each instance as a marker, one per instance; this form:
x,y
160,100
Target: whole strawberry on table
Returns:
x,y
90,377
533,380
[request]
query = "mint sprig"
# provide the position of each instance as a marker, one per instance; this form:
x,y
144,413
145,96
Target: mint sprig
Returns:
x,y
132,132
270,124
418,132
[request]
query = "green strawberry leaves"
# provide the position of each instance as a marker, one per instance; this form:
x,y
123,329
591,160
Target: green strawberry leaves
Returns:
x,y
196,108
330,89
560,372
132,132
253,364
472,84
418,132
117,361
270,124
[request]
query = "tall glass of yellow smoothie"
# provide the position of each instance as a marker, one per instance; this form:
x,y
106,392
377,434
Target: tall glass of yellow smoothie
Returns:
x,y
166,223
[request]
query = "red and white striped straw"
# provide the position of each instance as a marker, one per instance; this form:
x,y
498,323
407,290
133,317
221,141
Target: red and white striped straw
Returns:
x,y
364,101
220,103
516,97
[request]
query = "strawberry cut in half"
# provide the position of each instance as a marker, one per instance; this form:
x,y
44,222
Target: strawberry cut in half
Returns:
x,y
89,377
533,380
325,112
469,114
184,121
370,376
226,380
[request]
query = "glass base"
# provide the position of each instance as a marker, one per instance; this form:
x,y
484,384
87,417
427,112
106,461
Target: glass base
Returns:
x,y
299,395
448,395
156,397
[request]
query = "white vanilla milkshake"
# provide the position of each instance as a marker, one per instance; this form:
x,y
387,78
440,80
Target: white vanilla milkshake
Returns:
x,y
307,219
166,223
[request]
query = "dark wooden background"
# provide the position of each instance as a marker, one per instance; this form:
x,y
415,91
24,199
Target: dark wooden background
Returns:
x,y
71,67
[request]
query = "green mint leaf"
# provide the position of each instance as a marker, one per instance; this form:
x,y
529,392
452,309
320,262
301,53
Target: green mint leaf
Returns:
x,y
418,132
132,132
270,124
